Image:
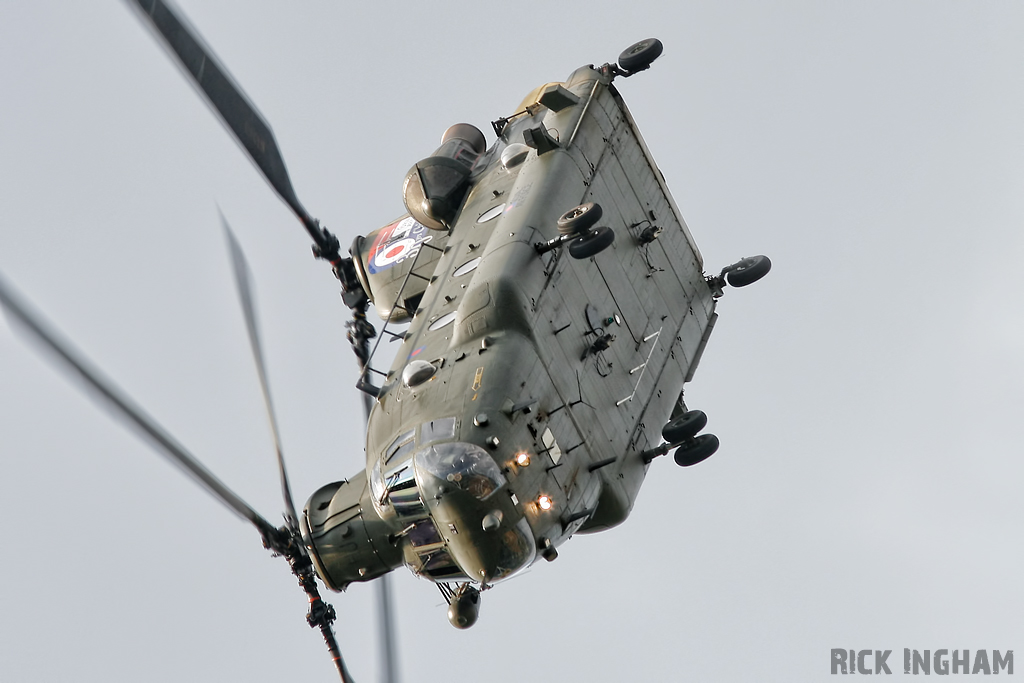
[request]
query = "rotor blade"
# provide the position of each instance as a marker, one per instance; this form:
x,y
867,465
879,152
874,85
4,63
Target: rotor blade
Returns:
x,y
388,659
389,672
367,406
236,111
123,407
243,281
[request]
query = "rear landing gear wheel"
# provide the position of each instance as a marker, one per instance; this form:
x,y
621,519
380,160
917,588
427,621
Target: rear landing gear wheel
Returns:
x,y
639,56
685,426
747,271
699,450
591,243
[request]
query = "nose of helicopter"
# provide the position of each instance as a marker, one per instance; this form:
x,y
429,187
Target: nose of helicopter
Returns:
x,y
464,491
486,546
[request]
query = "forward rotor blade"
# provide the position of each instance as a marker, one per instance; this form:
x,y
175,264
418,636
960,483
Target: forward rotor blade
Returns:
x,y
236,111
367,406
124,408
243,282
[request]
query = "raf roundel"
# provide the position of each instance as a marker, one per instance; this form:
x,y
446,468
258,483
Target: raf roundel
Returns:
x,y
396,243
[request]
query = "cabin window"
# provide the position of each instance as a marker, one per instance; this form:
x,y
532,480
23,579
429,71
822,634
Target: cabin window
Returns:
x,y
442,321
491,213
467,267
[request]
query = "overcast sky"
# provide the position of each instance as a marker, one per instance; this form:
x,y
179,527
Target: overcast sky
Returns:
x,y
867,393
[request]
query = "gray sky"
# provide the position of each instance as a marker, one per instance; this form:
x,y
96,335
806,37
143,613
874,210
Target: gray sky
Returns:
x,y
867,393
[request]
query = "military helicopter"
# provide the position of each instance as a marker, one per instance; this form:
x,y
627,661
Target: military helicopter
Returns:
x,y
532,387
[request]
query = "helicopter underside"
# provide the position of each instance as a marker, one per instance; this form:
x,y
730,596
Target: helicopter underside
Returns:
x,y
558,371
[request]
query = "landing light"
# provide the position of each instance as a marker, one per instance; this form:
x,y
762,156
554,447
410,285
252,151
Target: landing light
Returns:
x,y
523,459
544,502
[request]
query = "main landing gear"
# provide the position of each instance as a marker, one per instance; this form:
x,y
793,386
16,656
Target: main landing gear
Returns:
x,y
680,433
578,229
682,430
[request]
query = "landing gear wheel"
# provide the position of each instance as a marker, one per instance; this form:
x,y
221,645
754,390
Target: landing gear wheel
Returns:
x,y
684,426
592,243
464,608
702,448
748,271
580,219
639,56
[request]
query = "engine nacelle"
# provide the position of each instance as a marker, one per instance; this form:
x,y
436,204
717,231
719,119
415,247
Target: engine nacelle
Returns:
x,y
346,538
435,187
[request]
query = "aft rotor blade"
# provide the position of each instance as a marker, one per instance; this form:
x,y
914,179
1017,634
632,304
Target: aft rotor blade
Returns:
x,y
389,670
123,407
385,613
236,111
243,282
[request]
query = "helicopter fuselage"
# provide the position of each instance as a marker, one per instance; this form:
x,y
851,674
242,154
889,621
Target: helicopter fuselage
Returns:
x,y
529,384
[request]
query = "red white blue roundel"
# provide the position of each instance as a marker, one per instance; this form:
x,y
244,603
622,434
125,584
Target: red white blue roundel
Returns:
x,y
395,243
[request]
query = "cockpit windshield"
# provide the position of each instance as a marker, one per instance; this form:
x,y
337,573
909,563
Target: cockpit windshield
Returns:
x,y
467,466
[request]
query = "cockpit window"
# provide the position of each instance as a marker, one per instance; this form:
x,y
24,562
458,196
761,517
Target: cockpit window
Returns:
x,y
402,450
395,487
400,445
465,465
408,436
437,430
376,484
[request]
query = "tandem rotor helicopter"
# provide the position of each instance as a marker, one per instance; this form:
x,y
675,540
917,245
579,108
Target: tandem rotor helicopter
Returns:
x,y
553,303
